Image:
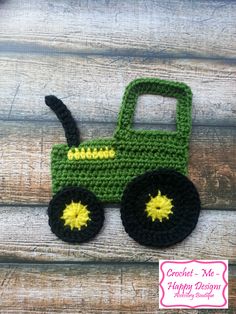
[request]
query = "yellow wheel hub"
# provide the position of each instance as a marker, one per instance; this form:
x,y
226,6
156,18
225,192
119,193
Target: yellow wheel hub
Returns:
x,y
159,207
76,215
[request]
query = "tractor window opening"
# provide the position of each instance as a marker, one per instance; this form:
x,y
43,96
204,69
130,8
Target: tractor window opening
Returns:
x,y
154,112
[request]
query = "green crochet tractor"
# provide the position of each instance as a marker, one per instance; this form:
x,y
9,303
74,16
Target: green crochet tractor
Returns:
x,y
144,170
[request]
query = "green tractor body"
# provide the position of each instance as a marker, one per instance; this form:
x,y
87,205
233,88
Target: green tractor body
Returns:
x,y
105,166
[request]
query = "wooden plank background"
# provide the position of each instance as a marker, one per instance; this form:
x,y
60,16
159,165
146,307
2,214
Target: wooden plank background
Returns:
x,y
86,52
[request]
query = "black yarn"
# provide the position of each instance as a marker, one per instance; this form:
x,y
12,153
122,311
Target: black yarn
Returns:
x,y
65,117
57,206
186,208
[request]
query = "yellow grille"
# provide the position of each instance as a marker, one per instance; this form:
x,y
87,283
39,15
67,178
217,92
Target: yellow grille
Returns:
x,y
90,153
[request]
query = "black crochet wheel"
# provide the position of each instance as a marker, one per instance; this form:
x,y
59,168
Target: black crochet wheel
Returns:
x,y
178,208
75,215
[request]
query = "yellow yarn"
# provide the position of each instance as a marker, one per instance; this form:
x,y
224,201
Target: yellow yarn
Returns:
x,y
76,215
159,207
100,154
111,153
81,154
95,154
90,153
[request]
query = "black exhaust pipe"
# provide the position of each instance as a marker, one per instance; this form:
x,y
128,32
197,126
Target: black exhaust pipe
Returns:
x,y
66,119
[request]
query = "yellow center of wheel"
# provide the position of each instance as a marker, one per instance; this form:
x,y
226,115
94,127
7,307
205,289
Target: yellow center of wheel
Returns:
x,y
159,207
76,215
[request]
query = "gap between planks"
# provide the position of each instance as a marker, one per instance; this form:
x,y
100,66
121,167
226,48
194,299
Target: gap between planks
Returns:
x,y
11,47
26,237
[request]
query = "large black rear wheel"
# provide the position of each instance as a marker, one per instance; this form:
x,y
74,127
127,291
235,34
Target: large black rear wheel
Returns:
x,y
75,215
160,208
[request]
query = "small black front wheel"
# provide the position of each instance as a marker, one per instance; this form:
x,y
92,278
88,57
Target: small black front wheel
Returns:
x,y
160,208
75,215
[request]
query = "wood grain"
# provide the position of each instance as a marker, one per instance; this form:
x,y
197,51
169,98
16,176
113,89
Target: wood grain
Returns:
x,y
92,87
25,158
86,52
103,288
26,236
184,29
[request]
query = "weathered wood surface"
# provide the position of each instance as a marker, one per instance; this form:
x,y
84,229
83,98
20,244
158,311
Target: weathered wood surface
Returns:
x,y
26,236
104,288
86,52
92,87
25,158
163,29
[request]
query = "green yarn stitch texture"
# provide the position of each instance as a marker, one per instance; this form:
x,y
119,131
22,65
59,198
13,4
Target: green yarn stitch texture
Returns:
x,y
137,151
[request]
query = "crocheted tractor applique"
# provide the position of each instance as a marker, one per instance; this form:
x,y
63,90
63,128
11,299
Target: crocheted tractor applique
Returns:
x,y
143,170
